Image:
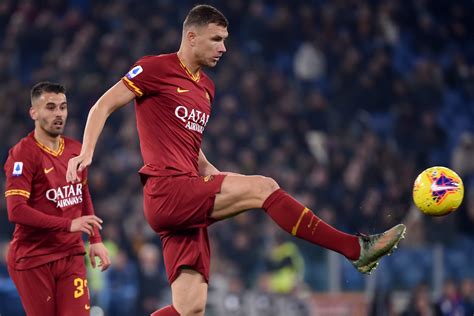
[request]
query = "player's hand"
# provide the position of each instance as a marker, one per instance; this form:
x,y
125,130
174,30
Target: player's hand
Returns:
x,y
86,224
99,250
75,167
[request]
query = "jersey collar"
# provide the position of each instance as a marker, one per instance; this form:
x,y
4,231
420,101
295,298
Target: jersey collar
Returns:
x,y
195,77
54,153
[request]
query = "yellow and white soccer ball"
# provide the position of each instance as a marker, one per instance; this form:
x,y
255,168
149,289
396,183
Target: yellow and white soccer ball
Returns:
x,y
438,191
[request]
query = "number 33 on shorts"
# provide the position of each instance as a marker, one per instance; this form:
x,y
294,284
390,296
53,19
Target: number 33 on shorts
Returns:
x,y
81,286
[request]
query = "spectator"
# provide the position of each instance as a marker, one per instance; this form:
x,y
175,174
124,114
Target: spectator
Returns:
x,y
467,294
151,279
420,302
450,302
123,285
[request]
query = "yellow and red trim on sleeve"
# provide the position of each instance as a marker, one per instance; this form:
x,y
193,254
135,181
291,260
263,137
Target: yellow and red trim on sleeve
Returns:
x,y
129,83
20,192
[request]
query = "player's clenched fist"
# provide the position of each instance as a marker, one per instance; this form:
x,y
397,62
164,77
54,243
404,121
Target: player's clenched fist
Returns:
x,y
75,166
86,224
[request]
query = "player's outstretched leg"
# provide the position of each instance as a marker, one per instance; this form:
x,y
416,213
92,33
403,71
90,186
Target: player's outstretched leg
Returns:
x,y
298,220
365,255
239,193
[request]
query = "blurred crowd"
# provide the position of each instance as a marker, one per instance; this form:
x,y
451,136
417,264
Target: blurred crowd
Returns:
x,y
342,102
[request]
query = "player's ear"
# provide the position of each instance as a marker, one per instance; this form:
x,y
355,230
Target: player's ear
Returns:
x,y
191,37
33,113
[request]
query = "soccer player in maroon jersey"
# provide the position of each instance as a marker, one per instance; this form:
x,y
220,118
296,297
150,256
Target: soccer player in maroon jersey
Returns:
x,y
183,192
46,255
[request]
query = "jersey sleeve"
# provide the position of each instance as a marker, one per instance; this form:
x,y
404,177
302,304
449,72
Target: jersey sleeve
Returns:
x,y
144,77
19,170
19,212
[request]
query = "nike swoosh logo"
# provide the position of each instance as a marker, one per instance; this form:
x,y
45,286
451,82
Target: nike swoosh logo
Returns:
x,y
437,188
181,90
87,307
46,171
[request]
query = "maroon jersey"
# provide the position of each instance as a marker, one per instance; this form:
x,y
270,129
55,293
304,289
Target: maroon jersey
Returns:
x,y
43,204
172,109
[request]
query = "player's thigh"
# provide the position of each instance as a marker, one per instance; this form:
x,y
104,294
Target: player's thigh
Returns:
x,y
72,291
181,202
36,288
189,293
239,193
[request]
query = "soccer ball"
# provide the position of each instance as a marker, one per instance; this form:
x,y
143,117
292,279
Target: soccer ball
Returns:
x,y
438,191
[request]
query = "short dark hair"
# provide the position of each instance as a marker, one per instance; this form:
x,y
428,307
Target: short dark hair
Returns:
x,y
46,86
204,14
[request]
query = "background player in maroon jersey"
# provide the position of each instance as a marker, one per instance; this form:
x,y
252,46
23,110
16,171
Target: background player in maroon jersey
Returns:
x,y
46,255
183,192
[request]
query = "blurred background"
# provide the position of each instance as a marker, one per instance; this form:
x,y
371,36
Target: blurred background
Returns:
x,y
343,102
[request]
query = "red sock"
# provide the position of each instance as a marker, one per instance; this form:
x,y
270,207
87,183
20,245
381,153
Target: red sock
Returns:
x,y
299,221
166,311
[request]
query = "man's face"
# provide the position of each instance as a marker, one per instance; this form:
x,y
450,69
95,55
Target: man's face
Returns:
x,y
209,44
50,112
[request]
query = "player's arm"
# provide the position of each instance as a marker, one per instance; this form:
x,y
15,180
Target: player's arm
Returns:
x,y
96,247
88,210
19,212
115,98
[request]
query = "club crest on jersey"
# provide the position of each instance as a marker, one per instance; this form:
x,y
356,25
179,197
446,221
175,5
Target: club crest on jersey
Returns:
x,y
134,72
17,168
66,195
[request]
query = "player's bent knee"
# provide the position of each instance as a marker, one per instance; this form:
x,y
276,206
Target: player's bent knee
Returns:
x,y
269,186
273,185
261,189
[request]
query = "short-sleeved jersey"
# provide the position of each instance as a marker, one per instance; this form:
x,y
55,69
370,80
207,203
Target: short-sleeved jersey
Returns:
x,y
172,109
37,174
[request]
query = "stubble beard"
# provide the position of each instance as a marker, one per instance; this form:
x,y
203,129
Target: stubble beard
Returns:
x,y
50,130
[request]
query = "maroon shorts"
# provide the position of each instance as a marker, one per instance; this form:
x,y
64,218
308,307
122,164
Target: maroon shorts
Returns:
x,y
55,288
178,208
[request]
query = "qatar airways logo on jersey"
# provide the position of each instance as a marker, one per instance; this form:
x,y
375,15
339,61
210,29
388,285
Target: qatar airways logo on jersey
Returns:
x,y
195,120
67,195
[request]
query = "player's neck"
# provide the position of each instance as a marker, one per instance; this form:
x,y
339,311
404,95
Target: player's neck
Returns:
x,y
52,142
192,66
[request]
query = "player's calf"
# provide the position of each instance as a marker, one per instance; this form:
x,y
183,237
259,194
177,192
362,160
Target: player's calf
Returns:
x,y
189,292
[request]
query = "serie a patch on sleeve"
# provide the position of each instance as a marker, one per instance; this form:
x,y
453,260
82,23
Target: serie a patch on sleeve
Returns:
x,y
17,168
134,72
